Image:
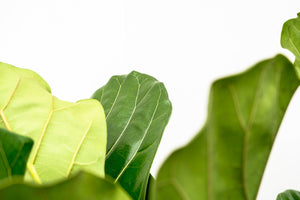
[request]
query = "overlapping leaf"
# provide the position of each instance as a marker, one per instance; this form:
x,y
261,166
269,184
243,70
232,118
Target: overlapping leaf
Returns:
x,y
137,110
82,186
14,152
228,157
67,136
290,39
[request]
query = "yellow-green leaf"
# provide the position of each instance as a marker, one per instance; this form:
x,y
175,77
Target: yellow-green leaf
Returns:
x,y
67,136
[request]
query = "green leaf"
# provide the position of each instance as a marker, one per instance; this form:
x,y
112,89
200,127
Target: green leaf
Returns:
x,y
226,160
82,186
289,195
137,110
290,39
67,136
14,152
151,181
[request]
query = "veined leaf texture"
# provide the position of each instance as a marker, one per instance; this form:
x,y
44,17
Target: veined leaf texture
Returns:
x,y
67,136
14,152
289,195
226,160
137,111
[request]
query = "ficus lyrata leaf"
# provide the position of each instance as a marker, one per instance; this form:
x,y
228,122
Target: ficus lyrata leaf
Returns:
x,y
290,39
14,152
226,160
289,195
81,186
137,111
67,136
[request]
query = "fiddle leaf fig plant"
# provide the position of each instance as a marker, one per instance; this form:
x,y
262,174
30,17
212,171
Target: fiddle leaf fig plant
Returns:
x,y
103,147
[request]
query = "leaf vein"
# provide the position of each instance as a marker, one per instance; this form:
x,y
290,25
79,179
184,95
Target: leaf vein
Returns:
x,y
6,163
17,156
294,46
6,104
129,120
115,100
43,132
179,190
245,142
145,133
78,148
147,93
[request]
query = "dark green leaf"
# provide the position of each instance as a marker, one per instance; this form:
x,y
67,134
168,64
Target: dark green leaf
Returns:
x,y
137,110
151,181
227,158
14,152
289,195
82,186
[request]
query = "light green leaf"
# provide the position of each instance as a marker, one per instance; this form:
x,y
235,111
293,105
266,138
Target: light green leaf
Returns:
x,y
289,195
290,39
137,111
82,186
14,152
67,136
226,160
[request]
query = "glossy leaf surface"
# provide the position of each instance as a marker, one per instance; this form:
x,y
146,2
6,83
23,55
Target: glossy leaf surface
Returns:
x,y
137,110
226,160
14,152
67,136
289,195
82,186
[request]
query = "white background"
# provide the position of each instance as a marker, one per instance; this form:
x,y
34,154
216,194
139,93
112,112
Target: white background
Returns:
x,y
77,45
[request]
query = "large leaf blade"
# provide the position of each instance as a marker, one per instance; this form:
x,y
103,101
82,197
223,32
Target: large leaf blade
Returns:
x,y
14,152
68,136
137,110
82,186
227,158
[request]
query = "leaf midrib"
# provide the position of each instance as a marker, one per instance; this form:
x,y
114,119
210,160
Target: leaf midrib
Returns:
x,y
246,127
